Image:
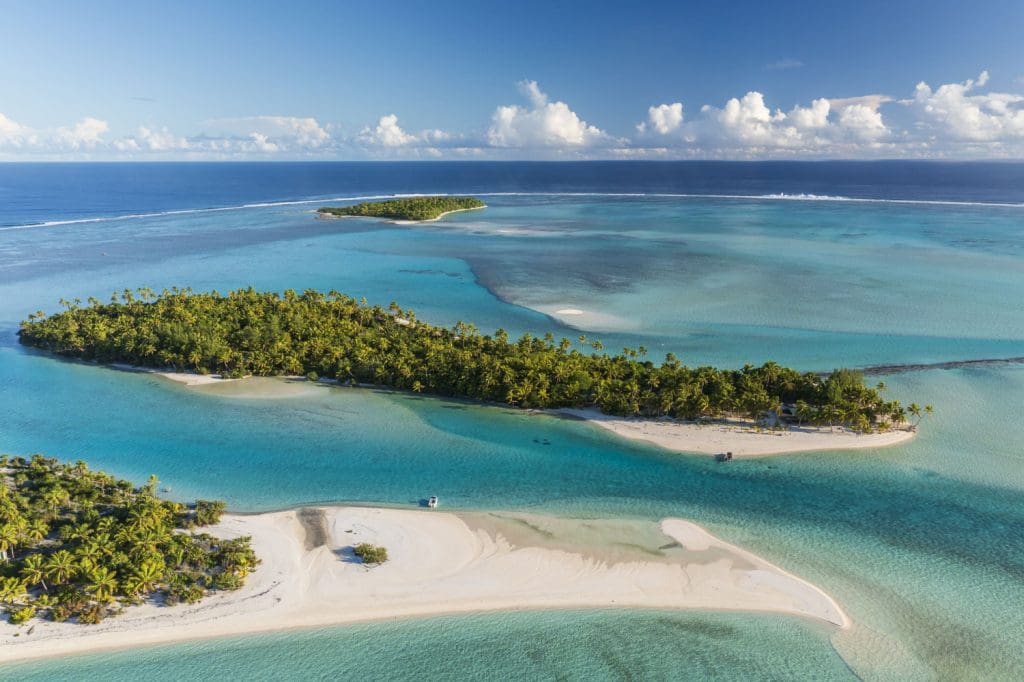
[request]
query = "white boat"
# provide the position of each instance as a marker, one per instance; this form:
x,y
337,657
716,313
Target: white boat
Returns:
x,y
432,502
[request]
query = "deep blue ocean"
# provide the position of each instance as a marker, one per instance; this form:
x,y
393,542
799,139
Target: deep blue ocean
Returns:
x,y
815,265
33,193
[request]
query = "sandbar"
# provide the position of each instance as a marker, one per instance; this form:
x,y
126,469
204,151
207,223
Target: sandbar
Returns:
x,y
443,563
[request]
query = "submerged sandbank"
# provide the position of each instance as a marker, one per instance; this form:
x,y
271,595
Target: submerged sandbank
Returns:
x,y
741,438
443,563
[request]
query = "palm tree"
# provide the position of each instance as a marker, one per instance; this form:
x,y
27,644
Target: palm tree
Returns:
x,y
37,530
147,575
60,567
11,591
102,583
132,586
8,540
33,570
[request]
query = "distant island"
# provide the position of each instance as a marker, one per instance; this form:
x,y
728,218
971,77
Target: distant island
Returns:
x,y
334,336
415,209
79,545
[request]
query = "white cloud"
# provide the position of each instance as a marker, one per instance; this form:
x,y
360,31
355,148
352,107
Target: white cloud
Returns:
x,y
749,127
664,118
748,121
296,134
85,134
261,144
387,133
862,121
162,140
543,124
389,139
305,133
951,110
954,120
14,134
814,116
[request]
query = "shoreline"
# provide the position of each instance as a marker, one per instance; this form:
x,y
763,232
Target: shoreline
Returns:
x,y
726,435
396,221
732,435
445,563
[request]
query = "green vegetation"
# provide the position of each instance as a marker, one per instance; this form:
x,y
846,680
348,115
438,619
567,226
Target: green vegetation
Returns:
x,y
412,208
371,554
79,544
336,337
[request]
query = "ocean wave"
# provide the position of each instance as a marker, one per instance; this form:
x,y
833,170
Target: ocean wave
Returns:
x,y
781,196
188,211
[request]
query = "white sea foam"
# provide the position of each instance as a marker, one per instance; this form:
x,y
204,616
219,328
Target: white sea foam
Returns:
x,y
639,195
188,211
759,197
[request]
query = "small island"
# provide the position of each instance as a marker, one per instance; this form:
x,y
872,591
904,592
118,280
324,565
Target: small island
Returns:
x,y
78,545
333,336
409,209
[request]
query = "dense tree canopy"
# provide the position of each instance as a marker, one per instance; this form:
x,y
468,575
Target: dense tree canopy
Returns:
x,y
334,336
411,208
76,544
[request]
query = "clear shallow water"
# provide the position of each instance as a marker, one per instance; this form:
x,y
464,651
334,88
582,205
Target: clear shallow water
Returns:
x,y
520,646
922,543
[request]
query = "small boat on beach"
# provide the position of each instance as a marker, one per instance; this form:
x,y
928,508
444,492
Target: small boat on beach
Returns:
x,y
432,501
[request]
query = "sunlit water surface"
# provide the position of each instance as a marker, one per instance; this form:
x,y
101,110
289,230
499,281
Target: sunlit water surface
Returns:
x,y
922,543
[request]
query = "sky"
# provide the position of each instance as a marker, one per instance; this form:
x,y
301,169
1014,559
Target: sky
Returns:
x,y
257,80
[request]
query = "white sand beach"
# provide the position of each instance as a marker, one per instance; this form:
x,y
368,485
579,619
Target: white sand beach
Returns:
x,y
729,435
186,378
442,563
738,437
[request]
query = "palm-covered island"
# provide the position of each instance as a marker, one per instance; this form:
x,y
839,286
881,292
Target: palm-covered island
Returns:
x,y
334,336
410,208
79,545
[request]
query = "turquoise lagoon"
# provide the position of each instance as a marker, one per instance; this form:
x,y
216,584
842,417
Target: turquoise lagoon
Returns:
x,y
923,544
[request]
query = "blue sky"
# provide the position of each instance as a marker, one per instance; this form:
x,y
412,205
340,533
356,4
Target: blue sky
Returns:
x,y
149,80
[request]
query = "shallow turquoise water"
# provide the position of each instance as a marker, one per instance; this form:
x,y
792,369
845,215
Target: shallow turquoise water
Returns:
x,y
923,544
590,645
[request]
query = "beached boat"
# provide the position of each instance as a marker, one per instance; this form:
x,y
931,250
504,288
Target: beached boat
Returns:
x,y
432,502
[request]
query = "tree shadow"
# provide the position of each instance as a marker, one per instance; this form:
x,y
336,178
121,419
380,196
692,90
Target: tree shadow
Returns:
x,y
347,555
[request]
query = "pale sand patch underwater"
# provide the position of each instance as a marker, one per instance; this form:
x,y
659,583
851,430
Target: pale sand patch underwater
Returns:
x,y
441,563
738,437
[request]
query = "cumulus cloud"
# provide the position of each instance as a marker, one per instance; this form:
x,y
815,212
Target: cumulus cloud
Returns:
x,y
306,132
961,119
13,134
951,109
157,140
748,125
542,124
389,139
862,121
663,119
85,134
387,133
272,133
